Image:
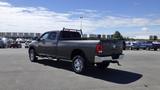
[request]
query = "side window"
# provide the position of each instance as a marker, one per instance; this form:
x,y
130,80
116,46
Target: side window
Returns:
x,y
44,36
64,35
52,36
70,35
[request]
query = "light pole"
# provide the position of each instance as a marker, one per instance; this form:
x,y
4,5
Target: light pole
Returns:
x,y
81,18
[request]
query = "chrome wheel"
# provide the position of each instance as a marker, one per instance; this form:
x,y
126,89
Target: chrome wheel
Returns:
x,y
78,64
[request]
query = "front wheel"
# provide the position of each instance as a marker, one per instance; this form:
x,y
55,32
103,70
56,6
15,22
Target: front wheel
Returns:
x,y
32,55
78,64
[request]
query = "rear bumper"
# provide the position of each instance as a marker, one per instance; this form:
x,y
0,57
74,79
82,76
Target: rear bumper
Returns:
x,y
108,58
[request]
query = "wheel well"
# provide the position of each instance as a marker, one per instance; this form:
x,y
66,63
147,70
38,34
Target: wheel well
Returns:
x,y
77,52
31,48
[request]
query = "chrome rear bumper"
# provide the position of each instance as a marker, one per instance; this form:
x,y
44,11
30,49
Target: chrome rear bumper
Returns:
x,y
108,58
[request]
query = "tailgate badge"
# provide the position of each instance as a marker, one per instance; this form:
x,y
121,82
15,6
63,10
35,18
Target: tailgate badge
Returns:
x,y
114,46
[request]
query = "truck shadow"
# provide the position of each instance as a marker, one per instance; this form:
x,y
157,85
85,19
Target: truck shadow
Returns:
x,y
110,75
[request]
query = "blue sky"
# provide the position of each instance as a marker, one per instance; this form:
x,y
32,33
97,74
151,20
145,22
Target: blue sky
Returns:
x,y
134,18
135,8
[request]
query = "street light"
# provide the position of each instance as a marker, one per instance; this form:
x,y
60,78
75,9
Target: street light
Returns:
x,y
81,22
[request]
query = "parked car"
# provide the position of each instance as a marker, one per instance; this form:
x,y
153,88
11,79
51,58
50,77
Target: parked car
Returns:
x,y
135,45
1,43
67,45
4,42
156,45
128,44
145,45
27,43
15,44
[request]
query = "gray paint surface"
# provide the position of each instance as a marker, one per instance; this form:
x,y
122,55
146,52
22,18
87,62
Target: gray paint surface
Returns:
x,y
63,48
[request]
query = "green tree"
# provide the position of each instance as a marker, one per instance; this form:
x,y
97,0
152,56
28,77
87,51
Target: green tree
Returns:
x,y
117,35
153,37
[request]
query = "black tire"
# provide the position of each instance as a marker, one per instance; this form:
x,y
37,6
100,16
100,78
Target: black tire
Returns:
x,y
3,47
79,64
116,56
20,46
155,49
32,55
102,65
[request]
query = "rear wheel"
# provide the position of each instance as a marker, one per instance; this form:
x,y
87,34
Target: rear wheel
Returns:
x,y
148,48
155,49
78,64
32,55
3,46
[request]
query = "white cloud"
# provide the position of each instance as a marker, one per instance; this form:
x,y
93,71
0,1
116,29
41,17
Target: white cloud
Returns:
x,y
40,19
111,21
4,4
145,29
142,33
142,37
31,19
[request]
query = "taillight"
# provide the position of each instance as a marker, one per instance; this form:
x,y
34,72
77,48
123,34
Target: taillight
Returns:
x,y
99,48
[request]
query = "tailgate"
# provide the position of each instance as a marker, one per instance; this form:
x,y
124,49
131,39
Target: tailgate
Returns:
x,y
111,47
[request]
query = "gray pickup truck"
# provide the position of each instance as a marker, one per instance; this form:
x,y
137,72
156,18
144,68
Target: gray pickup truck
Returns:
x,y
68,45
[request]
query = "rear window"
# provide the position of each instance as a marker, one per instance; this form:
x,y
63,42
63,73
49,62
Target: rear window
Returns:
x,y
66,35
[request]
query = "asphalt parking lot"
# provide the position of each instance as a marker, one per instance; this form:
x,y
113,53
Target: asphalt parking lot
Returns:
x,y
140,70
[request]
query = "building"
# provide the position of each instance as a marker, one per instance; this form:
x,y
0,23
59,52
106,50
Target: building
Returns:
x,y
92,35
85,36
109,36
104,36
95,36
99,36
19,35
